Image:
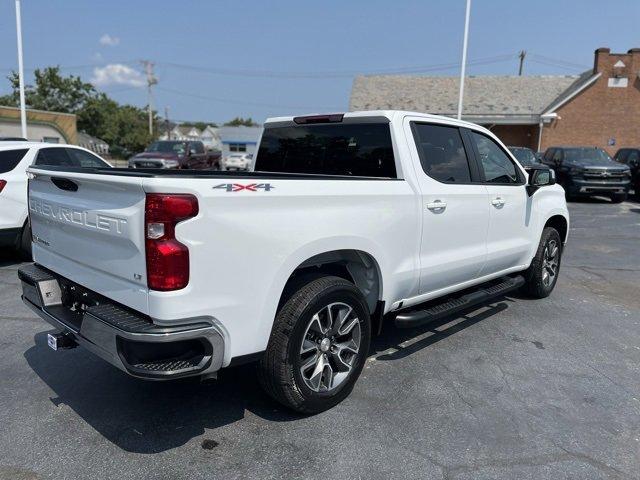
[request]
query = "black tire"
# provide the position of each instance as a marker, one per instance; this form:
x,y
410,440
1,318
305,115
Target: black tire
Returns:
x,y
25,242
618,197
535,283
279,371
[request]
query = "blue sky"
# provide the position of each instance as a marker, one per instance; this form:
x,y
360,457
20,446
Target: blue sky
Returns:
x,y
219,59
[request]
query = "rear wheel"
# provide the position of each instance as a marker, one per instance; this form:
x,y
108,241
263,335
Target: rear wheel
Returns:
x,y
618,197
542,274
318,346
25,242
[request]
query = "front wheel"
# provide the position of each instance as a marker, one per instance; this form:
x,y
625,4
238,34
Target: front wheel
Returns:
x,y
542,274
318,346
618,197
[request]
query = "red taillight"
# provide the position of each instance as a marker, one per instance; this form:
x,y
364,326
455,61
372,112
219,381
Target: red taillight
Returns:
x,y
2,184
167,258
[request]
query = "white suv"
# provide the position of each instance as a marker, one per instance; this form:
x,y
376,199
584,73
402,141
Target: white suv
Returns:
x,y
15,157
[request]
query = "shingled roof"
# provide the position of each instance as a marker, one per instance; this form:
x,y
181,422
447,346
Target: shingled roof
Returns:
x,y
501,99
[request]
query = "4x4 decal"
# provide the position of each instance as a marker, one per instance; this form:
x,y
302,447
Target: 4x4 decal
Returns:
x,y
252,187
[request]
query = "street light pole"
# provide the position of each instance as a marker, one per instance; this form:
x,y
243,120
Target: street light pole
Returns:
x,y
464,58
23,111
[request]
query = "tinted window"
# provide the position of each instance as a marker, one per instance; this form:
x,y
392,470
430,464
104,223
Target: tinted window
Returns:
x,y
342,149
9,159
68,157
442,153
55,157
495,163
86,159
621,155
166,147
197,147
633,159
524,155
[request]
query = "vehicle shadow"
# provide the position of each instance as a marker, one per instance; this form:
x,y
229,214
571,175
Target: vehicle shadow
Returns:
x,y
150,417
9,257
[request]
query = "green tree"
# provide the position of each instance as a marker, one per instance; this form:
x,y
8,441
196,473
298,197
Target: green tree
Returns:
x,y
119,125
241,122
51,91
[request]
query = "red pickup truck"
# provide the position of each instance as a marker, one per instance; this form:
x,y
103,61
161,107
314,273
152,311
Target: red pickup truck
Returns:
x,y
176,154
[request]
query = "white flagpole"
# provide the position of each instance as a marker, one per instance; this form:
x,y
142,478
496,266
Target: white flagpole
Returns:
x,y
464,58
23,112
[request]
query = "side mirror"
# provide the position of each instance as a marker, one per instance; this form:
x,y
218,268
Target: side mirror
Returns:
x,y
540,177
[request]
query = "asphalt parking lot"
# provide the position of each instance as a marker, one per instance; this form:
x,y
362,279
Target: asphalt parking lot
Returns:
x,y
517,389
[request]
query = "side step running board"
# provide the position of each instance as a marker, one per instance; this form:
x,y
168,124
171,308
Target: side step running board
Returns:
x,y
438,311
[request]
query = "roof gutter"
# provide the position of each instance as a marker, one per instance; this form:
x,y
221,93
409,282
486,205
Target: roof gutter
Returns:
x,y
582,87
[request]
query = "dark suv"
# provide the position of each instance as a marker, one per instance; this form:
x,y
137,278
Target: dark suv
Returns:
x,y
585,171
631,157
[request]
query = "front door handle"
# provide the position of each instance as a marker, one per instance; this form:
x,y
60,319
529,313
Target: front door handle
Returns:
x,y
437,205
497,202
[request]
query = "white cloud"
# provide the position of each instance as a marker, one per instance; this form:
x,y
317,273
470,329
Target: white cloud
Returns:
x,y
97,57
117,74
109,41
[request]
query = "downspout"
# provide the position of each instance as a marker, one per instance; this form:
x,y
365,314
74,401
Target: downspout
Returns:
x,y
539,134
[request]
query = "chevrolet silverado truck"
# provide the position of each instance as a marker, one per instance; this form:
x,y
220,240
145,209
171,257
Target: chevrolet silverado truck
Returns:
x,y
346,222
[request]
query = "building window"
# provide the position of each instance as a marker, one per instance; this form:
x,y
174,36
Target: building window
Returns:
x,y
237,147
51,139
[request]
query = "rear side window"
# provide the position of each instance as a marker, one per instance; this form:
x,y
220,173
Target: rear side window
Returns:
x,y
497,166
362,150
9,159
442,153
56,157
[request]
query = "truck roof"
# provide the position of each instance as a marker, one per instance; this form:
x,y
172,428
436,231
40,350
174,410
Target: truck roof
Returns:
x,y
389,115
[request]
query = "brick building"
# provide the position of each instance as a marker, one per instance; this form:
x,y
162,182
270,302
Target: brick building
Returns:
x,y
600,107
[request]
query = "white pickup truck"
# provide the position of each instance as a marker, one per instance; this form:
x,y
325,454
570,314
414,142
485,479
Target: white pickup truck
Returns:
x,y
347,220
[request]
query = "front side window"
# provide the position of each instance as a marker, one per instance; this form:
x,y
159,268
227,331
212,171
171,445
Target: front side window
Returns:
x,y
495,163
9,159
86,159
197,147
363,150
442,153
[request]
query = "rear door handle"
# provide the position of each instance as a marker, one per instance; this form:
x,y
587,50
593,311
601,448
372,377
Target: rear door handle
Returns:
x,y
497,202
437,205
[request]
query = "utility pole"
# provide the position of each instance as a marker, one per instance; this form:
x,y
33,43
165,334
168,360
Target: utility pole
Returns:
x,y
464,57
151,80
166,122
23,109
522,55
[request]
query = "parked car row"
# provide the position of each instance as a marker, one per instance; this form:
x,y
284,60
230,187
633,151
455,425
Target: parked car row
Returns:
x,y
15,157
191,155
587,171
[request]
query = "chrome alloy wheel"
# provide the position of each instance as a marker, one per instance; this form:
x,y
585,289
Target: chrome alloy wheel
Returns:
x,y
330,347
550,262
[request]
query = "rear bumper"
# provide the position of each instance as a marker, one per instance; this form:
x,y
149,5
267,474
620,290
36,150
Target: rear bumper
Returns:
x,y
126,339
9,237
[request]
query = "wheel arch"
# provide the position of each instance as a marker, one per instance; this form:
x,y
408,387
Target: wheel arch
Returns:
x,y
357,266
561,224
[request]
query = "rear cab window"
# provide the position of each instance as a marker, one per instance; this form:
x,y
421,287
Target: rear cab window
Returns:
x,y
68,157
442,153
349,149
9,159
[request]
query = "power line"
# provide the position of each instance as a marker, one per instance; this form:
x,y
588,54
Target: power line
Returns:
x,y
334,74
243,102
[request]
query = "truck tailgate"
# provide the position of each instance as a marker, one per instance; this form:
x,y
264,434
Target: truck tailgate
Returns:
x,y
91,228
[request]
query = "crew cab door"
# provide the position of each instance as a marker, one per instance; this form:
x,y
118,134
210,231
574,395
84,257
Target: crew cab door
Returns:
x,y
509,237
455,207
